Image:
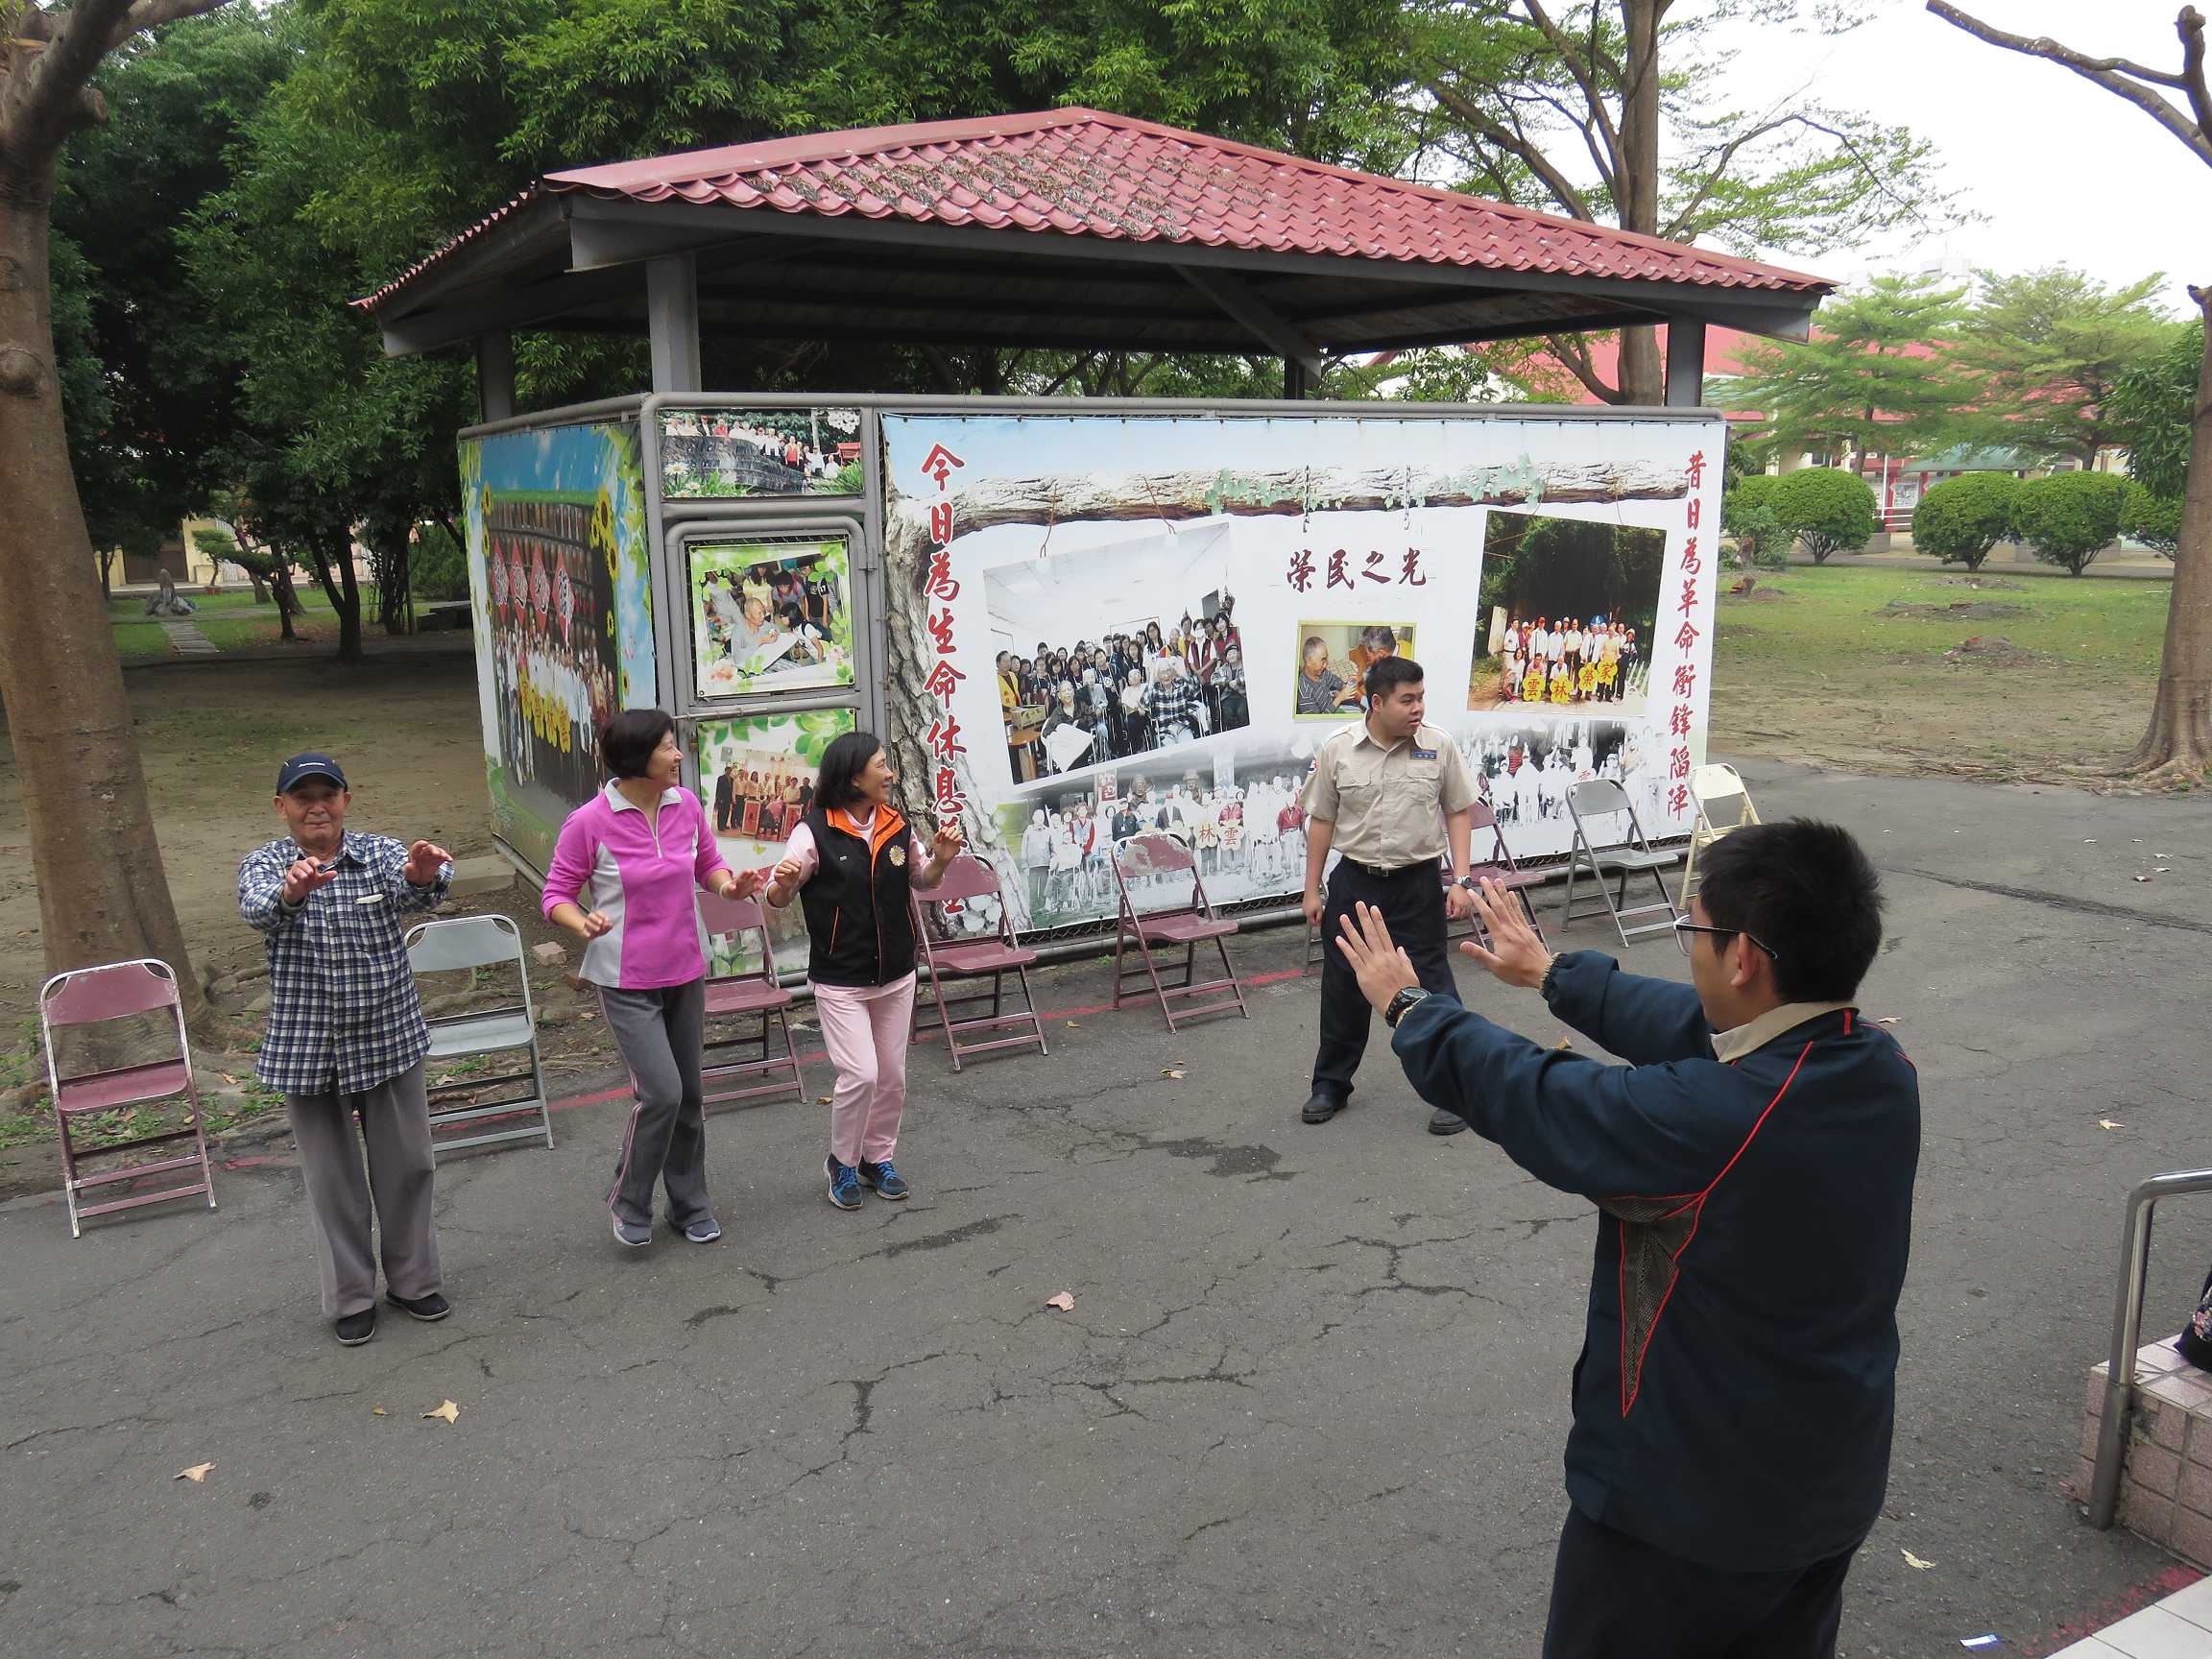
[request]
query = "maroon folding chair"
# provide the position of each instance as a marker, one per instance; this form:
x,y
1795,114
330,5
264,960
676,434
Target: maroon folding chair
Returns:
x,y
96,997
942,959
1500,868
752,992
1189,924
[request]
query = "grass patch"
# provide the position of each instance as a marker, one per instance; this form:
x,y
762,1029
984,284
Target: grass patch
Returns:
x,y
142,638
1826,675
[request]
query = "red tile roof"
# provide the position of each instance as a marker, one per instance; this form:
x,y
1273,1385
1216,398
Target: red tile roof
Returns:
x,y
1085,173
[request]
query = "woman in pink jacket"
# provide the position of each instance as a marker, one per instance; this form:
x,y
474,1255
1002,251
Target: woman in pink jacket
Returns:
x,y
624,880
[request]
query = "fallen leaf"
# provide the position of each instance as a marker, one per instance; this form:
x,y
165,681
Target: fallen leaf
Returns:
x,y
448,1410
1887,1019
2161,870
2142,878
1563,1042
377,1411
1065,1301
1912,1560
2107,1123
824,1099
2091,842
1072,1026
196,1473
1175,1071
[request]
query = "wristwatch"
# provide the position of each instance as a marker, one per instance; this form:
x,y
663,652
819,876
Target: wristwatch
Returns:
x,y
1398,1004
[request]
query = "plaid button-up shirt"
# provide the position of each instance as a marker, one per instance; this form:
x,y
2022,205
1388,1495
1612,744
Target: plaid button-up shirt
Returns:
x,y
1171,706
343,1010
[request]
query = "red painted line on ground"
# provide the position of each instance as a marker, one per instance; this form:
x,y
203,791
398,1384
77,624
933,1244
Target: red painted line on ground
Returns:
x,y
2110,1613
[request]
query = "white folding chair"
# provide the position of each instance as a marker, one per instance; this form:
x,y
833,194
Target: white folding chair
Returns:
x,y
1624,855
1722,803
468,943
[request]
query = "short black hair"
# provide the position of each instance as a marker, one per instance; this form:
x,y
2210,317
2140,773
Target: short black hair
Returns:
x,y
626,741
1385,672
838,783
1806,891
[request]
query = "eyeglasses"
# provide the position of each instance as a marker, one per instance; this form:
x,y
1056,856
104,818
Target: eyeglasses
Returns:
x,y
1684,928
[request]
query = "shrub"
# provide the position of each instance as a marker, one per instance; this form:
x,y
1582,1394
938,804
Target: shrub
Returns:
x,y
1961,518
1826,509
2152,519
2070,517
1748,513
437,568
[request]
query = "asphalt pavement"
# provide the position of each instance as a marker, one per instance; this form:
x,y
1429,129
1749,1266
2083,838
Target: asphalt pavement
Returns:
x,y
1310,1399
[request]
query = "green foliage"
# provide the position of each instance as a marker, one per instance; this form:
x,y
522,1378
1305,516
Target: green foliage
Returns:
x,y
1825,510
2049,350
438,566
2070,517
1961,518
1876,377
2150,409
1747,514
2152,519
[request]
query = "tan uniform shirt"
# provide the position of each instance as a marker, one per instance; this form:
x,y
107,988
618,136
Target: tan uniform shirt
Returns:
x,y
1387,803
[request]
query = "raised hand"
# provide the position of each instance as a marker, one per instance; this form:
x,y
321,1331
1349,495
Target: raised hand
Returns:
x,y
745,883
304,878
1382,968
598,924
948,843
1458,903
1514,953
425,859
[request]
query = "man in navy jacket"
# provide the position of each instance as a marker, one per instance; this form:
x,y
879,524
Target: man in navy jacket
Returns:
x,y
1752,1164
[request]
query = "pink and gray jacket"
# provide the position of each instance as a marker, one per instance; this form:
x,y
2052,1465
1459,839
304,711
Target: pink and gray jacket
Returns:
x,y
643,872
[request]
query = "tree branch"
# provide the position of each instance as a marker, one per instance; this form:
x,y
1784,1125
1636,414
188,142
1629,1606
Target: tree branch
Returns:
x,y
39,100
1575,355
152,13
1674,229
2190,26
2106,72
1474,116
1584,70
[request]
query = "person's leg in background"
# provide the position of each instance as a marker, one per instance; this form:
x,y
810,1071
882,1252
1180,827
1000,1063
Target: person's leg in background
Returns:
x,y
402,1171
890,1014
639,1021
850,1036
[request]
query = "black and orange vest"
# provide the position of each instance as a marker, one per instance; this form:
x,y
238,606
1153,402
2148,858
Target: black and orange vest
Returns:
x,y
859,927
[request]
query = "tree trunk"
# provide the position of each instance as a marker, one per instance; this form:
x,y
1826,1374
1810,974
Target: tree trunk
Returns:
x,y
344,591
260,587
287,601
1642,377
103,896
2179,744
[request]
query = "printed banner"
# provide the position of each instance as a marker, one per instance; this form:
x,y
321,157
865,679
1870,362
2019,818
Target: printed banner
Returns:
x,y
757,780
562,605
774,615
720,454
1107,624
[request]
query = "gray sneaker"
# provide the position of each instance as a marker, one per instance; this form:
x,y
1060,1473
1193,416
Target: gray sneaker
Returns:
x,y
703,1231
632,1233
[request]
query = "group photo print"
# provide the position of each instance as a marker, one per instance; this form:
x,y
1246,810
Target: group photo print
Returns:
x,y
771,616
1568,609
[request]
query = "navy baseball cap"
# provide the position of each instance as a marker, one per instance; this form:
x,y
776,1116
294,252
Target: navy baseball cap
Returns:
x,y
301,767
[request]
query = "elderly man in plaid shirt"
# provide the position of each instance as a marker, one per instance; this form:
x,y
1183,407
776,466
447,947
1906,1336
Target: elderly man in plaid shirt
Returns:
x,y
1172,706
347,1038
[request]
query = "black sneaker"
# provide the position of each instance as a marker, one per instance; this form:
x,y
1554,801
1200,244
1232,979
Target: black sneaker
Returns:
x,y
887,1181
1445,1122
426,1309
355,1329
844,1184
1323,1105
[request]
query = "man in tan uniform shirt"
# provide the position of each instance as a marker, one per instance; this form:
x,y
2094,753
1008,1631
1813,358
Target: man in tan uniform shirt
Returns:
x,y
1391,795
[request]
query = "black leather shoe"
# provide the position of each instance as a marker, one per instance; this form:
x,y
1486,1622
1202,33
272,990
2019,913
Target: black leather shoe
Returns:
x,y
1446,1122
355,1329
423,1308
1323,1105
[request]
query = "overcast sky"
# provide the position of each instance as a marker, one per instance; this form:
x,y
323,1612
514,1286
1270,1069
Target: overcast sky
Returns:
x,y
2063,172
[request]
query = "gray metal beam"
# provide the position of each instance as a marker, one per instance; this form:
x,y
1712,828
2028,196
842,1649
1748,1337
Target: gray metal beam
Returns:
x,y
494,377
672,323
1685,364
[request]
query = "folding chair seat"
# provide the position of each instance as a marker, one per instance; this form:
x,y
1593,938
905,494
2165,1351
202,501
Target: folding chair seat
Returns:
x,y
1722,803
1189,925
87,997
1500,867
467,943
1627,855
751,992
968,878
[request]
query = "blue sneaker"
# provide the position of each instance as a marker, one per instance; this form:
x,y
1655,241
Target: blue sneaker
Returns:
x,y
703,1231
887,1181
844,1184
634,1234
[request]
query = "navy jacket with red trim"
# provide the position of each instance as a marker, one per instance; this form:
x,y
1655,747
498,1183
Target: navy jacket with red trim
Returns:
x,y
1733,1400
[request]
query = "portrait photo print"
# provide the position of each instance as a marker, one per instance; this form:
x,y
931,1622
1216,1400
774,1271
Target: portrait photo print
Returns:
x,y
1333,659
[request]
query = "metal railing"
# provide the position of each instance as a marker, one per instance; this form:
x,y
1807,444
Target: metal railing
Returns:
x,y
2127,1333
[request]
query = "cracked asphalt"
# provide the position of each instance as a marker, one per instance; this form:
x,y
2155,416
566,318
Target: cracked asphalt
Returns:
x,y
1310,1398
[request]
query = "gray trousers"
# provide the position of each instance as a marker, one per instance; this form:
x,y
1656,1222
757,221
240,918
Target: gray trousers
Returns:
x,y
395,1127
659,1035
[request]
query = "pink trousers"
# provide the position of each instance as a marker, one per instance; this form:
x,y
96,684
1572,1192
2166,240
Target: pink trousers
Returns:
x,y
865,1031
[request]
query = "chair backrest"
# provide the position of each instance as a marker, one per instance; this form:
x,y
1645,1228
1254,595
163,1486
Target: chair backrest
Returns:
x,y
967,876
1722,800
1483,816
723,915
89,996
1602,798
464,942
1153,855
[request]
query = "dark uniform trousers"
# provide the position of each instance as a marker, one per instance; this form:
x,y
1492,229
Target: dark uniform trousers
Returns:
x,y
1411,901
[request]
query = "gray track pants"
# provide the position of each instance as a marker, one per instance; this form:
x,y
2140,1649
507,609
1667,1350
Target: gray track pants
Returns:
x,y
659,1035
395,1118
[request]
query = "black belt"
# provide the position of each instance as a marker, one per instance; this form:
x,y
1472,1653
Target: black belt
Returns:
x,y
1382,874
